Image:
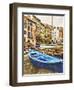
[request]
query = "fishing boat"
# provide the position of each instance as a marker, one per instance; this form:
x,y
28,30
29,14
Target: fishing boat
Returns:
x,y
41,60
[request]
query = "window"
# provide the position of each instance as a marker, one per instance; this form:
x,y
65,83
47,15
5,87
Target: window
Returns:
x,y
25,23
29,34
24,39
30,26
24,32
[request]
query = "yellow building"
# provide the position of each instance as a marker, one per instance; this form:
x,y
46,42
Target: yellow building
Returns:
x,y
43,29
29,30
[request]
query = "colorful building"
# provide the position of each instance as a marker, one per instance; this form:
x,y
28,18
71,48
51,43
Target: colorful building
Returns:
x,y
29,30
57,35
44,30
36,32
61,34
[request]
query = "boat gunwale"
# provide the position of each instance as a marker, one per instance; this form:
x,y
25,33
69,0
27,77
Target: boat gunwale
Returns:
x,y
46,61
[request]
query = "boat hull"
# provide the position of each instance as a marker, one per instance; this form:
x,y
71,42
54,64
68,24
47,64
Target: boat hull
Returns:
x,y
44,61
56,67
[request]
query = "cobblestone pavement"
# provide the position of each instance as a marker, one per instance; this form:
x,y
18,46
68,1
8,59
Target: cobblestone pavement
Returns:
x,y
30,69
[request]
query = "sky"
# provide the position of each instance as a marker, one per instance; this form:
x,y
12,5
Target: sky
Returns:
x,y
57,20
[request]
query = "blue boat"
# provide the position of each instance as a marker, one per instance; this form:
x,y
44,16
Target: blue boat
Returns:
x,y
42,60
